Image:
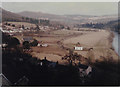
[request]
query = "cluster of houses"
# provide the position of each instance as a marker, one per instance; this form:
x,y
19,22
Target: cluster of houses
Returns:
x,y
13,28
23,80
31,39
10,28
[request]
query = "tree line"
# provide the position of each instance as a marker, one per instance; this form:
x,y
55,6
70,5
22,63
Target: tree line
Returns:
x,y
27,19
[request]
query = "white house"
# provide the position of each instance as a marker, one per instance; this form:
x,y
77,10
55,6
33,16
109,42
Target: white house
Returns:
x,y
39,45
78,48
3,45
44,45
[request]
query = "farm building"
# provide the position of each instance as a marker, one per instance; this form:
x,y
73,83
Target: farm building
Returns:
x,y
78,47
42,45
39,45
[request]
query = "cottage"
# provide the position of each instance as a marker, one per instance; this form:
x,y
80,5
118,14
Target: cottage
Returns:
x,y
44,45
84,70
39,45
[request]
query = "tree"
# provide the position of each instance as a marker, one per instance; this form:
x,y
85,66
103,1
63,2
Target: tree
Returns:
x,y
34,43
37,27
23,27
15,41
27,18
13,25
26,45
10,41
68,28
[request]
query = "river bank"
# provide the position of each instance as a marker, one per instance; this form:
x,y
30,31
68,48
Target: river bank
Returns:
x,y
100,41
115,43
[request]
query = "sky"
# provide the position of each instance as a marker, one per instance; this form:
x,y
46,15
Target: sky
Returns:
x,y
63,8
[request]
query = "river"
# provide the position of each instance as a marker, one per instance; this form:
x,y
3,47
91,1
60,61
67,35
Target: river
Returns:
x,y
116,41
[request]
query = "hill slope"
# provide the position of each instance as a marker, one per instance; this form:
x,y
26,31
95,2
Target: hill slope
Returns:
x,y
14,17
7,16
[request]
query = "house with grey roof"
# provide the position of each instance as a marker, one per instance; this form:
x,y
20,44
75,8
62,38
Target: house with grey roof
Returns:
x,y
4,81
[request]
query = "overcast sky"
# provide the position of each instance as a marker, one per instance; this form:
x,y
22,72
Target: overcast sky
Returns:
x,y
61,8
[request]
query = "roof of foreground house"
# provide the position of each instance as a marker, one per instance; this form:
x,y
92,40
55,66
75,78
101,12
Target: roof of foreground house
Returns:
x,y
4,81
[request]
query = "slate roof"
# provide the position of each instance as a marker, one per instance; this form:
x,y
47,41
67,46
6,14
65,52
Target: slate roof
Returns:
x,y
4,81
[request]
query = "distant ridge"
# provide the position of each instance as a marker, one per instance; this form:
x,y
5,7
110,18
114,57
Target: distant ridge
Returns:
x,y
63,19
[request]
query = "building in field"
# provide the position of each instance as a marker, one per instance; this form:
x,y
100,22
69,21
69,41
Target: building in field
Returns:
x,y
41,44
78,47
